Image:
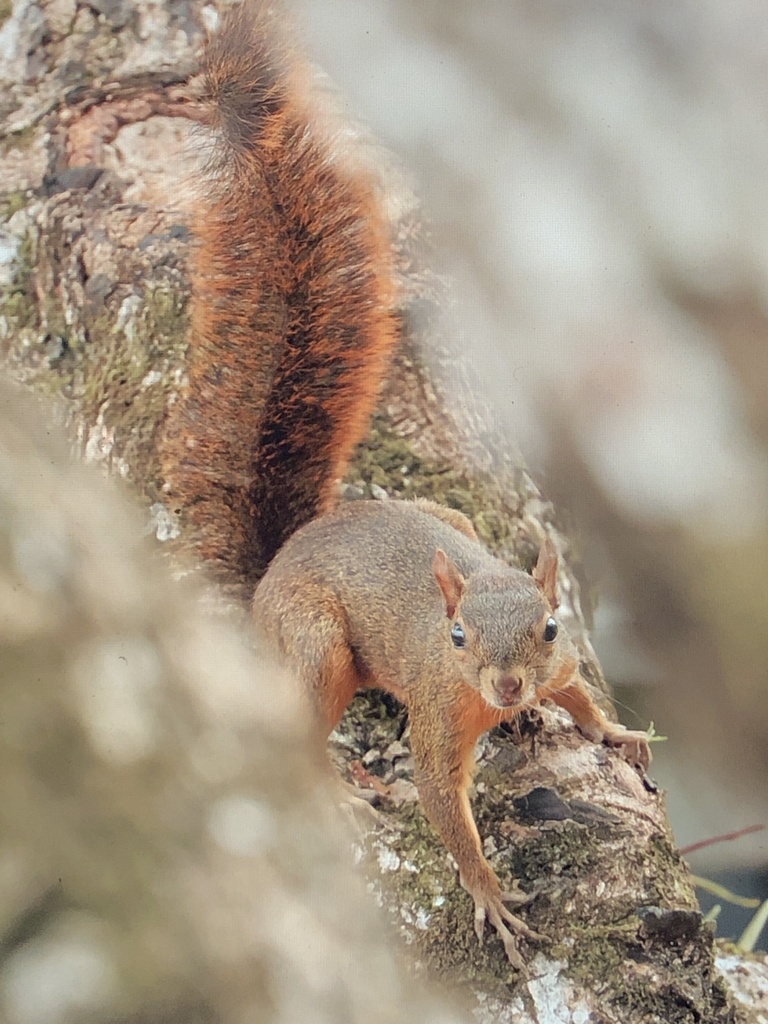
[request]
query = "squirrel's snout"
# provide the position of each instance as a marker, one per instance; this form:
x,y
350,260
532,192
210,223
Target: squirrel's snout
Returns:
x,y
509,689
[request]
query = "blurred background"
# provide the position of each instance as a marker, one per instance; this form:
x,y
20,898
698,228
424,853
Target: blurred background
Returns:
x,y
595,176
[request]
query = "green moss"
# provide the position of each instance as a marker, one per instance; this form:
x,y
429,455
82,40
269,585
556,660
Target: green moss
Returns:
x,y
164,318
448,943
595,952
112,382
19,303
19,309
127,379
681,988
564,851
668,881
555,862
19,139
6,7
11,203
675,994
25,260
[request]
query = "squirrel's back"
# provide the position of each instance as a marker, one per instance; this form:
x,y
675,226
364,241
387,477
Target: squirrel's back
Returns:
x,y
393,542
374,563
292,292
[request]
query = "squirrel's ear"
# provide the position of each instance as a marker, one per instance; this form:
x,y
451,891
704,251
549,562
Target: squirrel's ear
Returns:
x,y
545,573
450,581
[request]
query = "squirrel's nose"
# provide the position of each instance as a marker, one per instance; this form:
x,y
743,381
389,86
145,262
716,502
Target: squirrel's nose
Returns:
x,y
508,689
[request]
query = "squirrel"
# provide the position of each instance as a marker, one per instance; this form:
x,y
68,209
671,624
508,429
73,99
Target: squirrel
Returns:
x,y
292,335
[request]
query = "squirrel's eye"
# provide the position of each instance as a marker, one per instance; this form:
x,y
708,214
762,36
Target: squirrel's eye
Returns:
x,y
550,630
458,635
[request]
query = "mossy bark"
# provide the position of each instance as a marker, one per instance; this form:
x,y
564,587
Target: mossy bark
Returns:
x,y
98,158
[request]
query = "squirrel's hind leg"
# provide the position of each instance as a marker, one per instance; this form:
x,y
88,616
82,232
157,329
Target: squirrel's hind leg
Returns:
x,y
307,625
312,636
330,677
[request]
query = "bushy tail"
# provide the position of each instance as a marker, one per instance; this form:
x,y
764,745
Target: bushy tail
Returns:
x,y
292,329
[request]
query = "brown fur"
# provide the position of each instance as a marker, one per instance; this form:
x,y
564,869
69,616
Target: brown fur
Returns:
x,y
368,594
291,324
291,337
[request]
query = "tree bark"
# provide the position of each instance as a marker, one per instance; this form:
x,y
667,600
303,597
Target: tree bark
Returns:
x,y
98,162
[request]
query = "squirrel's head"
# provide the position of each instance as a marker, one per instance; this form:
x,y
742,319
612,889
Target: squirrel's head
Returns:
x,y
502,628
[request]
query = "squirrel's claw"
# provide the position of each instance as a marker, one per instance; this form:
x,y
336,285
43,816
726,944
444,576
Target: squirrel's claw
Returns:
x,y
516,895
492,909
634,746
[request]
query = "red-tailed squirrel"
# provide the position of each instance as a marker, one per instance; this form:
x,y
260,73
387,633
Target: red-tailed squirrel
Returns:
x,y
292,334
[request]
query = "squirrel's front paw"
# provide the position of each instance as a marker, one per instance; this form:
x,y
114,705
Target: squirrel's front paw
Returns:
x,y
489,906
634,746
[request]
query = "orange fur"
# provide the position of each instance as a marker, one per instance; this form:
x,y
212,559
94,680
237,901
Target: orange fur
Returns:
x,y
292,333
423,611
291,325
